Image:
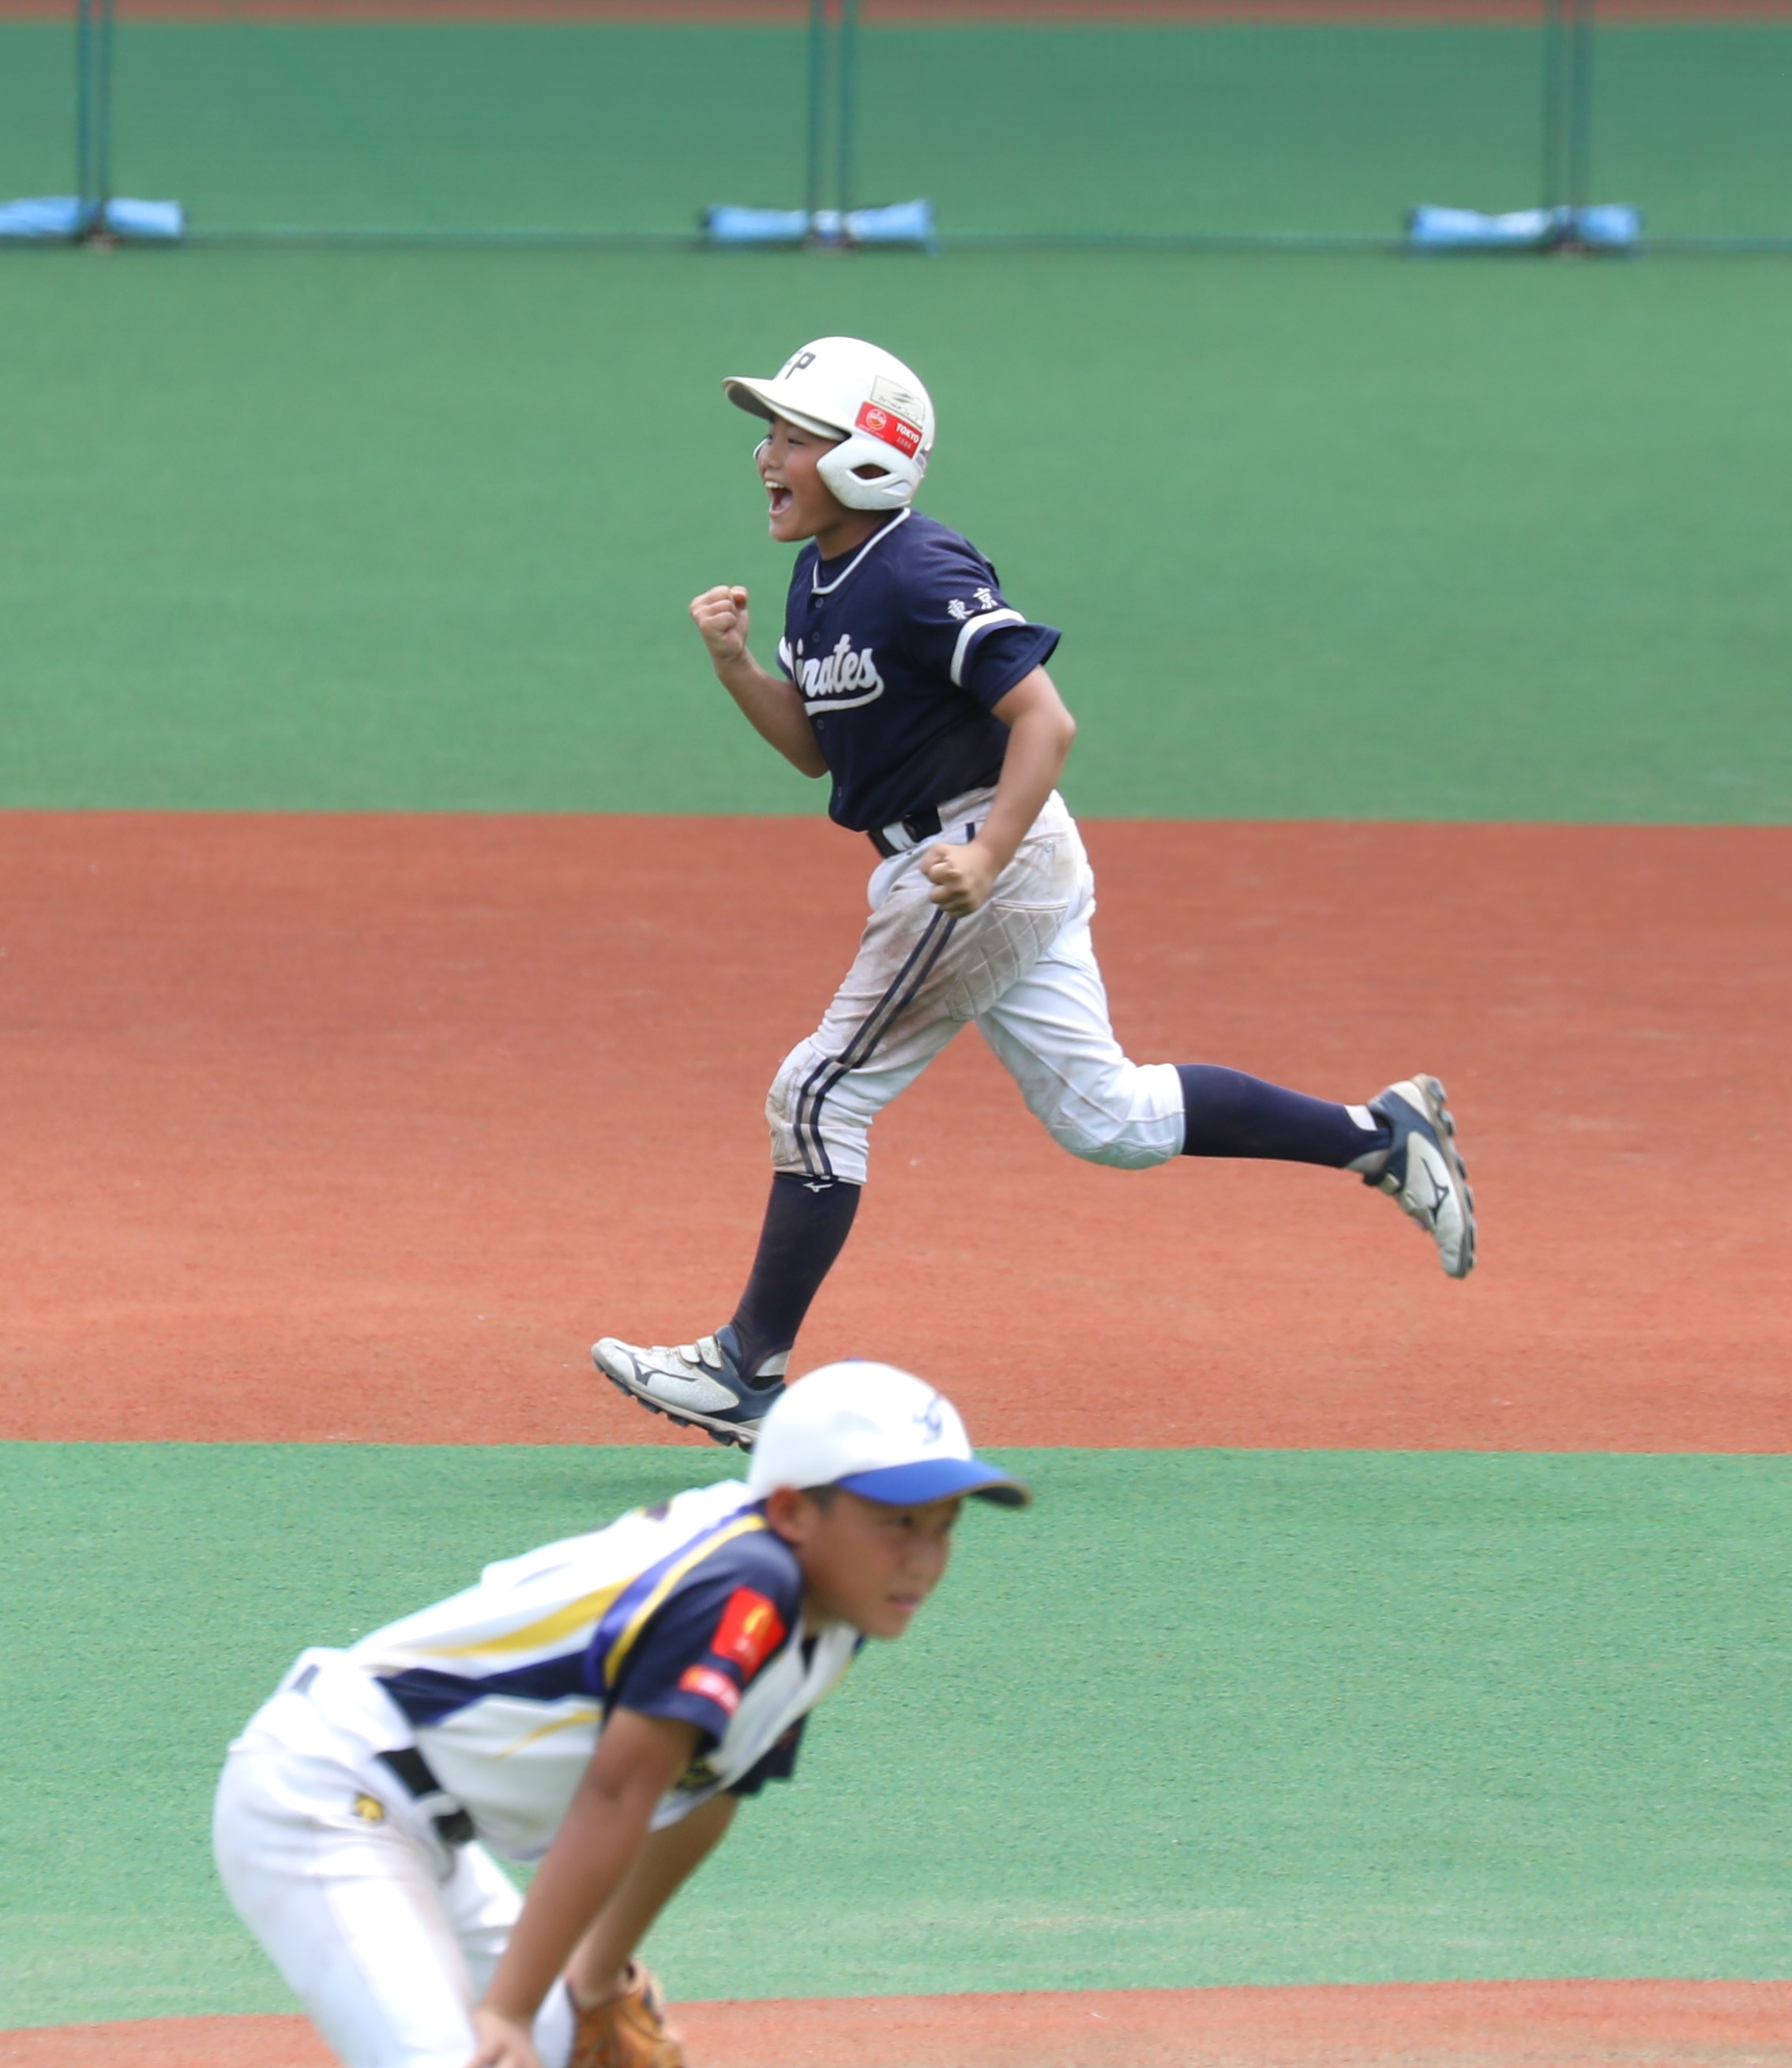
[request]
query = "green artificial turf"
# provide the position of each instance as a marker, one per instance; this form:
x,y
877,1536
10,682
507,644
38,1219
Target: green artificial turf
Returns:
x,y
1199,1717
1328,537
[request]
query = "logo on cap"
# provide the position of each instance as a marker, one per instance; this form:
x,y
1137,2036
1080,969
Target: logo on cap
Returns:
x,y
932,1417
894,395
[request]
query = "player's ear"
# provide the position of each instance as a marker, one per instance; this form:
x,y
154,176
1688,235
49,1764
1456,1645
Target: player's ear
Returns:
x,y
794,1515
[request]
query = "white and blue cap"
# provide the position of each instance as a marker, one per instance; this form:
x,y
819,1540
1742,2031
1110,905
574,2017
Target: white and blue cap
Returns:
x,y
878,1432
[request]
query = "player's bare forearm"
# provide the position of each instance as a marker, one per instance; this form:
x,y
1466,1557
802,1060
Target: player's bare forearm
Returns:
x,y
665,1862
1040,733
638,1759
772,707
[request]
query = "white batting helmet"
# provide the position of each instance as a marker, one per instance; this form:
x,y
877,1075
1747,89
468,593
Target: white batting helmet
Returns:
x,y
843,388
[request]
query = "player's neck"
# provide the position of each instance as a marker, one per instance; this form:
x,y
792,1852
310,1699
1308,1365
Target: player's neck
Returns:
x,y
847,532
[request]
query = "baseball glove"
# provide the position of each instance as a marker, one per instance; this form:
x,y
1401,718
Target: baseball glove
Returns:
x,y
628,2030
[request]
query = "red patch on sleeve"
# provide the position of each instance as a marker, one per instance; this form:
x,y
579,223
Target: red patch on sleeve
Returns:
x,y
750,1631
885,424
714,1686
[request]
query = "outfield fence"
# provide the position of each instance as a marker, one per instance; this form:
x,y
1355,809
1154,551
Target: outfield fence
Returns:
x,y
1166,122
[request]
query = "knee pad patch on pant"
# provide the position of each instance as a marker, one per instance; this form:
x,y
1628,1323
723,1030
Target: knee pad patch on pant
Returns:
x,y
1008,940
816,1127
1130,1120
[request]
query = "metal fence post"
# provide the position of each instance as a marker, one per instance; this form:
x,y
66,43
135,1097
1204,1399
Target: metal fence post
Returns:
x,y
1552,195
84,109
817,110
93,71
845,137
1567,110
1579,152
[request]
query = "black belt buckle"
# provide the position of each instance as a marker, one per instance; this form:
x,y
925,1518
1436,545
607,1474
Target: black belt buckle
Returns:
x,y
918,826
416,1777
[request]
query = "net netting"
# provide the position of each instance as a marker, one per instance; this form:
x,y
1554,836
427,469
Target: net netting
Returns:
x,y
1015,118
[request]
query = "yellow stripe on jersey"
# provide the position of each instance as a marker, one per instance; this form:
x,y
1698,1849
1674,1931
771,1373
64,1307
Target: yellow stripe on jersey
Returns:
x,y
546,1630
669,1580
583,1714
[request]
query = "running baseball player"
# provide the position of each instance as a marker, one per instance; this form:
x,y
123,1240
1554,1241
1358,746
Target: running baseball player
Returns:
x,y
907,677
601,1705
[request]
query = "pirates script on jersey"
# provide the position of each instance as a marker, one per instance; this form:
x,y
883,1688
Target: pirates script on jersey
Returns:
x,y
840,680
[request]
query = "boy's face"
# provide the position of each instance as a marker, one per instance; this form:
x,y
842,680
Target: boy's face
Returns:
x,y
802,503
863,1563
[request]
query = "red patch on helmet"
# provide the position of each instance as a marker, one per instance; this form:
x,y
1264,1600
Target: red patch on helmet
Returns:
x,y
877,422
750,1631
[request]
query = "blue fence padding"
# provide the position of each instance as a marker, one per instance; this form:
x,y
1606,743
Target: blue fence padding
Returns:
x,y
154,222
1611,227
1613,224
60,218
908,222
756,226
52,216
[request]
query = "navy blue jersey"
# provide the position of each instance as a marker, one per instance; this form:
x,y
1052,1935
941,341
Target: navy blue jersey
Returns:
x,y
700,1651
900,649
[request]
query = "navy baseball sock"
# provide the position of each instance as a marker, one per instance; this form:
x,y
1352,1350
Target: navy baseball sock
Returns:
x,y
807,1223
1230,1115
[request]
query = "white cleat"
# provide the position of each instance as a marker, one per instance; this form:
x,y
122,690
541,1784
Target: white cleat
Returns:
x,y
1423,1173
697,1384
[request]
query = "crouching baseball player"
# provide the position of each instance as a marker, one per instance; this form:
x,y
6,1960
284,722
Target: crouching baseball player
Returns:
x,y
907,677
601,1706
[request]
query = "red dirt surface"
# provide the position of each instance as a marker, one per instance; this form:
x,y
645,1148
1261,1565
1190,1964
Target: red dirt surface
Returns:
x,y
363,1127
1438,2025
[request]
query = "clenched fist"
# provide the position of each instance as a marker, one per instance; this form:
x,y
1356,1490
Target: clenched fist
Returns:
x,y
961,877
720,615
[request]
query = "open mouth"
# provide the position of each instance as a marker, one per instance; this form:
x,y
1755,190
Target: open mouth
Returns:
x,y
781,497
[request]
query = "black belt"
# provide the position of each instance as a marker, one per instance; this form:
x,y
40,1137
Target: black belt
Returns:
x,y
918,826
453,1825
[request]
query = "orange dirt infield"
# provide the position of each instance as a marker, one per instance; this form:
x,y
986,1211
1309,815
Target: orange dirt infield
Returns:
x,y
1437,2024
362,1127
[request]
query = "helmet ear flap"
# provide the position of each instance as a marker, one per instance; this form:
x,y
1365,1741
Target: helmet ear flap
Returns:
x,y
891,487
758,450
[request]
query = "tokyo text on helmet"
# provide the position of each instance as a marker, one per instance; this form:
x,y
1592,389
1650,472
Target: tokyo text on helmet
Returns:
x,y
843,388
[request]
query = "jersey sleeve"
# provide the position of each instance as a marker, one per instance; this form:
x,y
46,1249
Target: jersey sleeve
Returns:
x,y
709,1638
960,625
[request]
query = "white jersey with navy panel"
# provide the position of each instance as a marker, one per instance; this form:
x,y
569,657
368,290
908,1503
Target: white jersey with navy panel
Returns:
x,y
691,1609
350,1815
901,650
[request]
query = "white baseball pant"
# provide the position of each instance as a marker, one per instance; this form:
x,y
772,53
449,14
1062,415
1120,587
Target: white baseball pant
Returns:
x,y
1022,970
385,1935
